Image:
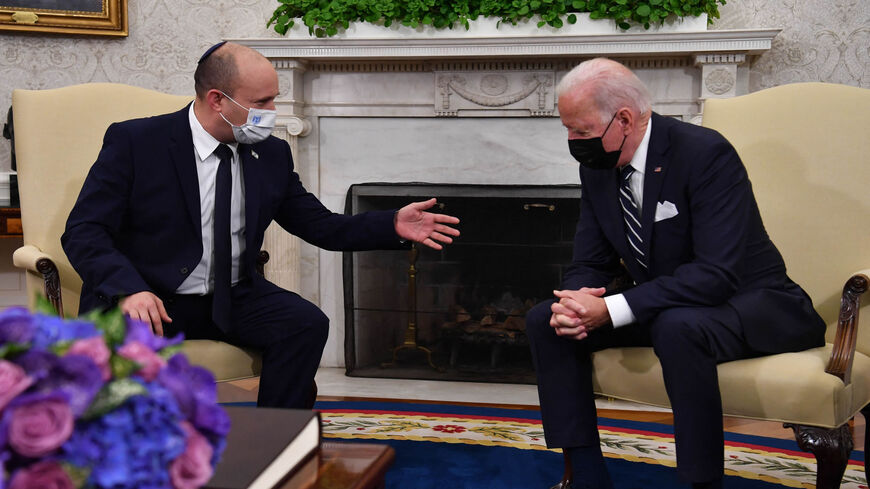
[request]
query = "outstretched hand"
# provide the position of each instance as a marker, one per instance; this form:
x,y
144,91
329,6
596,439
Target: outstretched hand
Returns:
x,y
415,224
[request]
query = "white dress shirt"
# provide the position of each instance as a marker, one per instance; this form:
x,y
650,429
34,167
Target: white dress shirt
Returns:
x,y
201,279
617,306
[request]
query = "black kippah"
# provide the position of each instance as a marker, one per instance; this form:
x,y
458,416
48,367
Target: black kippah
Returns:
x,y
209,51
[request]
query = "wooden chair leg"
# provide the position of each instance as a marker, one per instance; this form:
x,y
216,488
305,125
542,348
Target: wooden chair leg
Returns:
x,y
567,477
831,448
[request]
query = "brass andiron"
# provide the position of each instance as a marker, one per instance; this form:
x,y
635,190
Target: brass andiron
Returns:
x,y
410,342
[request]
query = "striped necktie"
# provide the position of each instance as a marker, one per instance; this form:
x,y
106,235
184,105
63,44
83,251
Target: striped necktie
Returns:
x,y
631,216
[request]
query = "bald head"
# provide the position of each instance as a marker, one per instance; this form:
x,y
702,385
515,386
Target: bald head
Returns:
x,y
610,85
220,70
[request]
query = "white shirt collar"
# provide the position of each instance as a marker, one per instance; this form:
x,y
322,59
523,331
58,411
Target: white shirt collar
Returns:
x,y
638,161
204,143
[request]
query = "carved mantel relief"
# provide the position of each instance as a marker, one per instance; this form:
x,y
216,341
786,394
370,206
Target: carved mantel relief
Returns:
x,y
527,93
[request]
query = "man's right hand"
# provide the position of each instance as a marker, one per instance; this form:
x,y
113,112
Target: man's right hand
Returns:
x,y
146,307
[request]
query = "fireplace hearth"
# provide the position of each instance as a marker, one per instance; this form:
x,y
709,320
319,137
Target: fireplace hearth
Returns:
x,y
459,313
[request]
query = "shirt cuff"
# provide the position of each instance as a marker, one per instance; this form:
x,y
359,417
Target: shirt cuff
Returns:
x,y
620,313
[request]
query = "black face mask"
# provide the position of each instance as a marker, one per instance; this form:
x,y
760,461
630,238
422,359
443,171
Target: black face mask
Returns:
x,y
591,154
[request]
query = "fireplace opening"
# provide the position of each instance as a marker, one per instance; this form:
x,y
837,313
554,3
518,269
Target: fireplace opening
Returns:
x,y
458,313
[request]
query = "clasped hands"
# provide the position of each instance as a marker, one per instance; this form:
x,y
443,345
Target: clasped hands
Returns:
x,y
578,312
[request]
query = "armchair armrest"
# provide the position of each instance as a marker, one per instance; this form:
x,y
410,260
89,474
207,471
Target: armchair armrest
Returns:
x,y
31,258
840,363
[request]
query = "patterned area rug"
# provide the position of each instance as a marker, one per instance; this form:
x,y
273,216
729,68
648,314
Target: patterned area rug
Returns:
x,y
441,446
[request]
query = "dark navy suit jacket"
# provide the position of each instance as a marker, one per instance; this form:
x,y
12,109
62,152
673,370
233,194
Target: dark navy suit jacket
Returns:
x,y
714,251
136,224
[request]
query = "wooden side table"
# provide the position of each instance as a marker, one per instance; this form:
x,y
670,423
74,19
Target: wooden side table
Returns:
x,y
353,465
10,222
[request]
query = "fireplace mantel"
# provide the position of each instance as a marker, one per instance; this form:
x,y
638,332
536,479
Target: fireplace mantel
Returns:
x,y
478,110
747,41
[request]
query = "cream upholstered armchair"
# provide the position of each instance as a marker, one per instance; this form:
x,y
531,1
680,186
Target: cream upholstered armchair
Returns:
x,y
806,149
58,134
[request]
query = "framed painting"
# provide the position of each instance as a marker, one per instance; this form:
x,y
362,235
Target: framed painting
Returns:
x,y
88,17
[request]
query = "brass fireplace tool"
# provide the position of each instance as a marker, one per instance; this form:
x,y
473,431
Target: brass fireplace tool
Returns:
x,y
410,342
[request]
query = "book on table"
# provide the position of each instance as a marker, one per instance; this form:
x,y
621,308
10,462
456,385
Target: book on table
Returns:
x,y
269,448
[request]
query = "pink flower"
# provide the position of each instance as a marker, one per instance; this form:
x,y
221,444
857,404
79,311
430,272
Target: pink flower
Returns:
x,y
41,475
40,425
150,362
192,469
94,348
13,381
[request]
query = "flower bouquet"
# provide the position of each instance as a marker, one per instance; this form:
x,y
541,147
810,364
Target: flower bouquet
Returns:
x,y
100,402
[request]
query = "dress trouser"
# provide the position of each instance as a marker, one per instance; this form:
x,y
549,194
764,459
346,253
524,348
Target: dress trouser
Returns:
x,y
289,331
689,343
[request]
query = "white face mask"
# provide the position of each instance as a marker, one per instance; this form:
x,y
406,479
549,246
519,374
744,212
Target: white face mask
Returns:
x,y
257,128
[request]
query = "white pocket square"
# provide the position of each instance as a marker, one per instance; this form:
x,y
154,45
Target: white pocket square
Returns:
x,y
665,210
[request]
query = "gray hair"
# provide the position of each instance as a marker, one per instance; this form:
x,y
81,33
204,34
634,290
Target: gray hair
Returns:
x,y
613,86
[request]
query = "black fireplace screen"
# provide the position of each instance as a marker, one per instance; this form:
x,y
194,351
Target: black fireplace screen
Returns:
x,y
459,313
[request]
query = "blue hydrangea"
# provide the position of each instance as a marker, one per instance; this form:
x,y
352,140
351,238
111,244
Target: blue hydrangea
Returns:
x,y
131,446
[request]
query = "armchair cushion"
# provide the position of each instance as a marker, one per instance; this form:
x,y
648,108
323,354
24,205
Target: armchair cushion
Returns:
x,y
789,387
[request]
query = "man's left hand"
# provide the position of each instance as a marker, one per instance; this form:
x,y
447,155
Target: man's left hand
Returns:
x,y
578,312
415,224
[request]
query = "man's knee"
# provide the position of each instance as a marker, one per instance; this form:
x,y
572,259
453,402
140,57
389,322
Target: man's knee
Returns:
x,y
316,325
538,320
676,329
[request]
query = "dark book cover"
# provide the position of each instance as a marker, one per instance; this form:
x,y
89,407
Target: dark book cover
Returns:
x,y
265,447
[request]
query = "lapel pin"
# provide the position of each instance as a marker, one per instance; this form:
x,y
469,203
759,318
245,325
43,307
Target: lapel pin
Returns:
x,y
255,155
658,169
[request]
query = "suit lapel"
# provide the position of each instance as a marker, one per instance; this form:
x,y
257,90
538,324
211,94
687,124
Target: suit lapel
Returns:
x,y
610,216
654,173
182,155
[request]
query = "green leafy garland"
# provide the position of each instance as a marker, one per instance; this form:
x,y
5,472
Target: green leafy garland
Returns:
x,y
326,17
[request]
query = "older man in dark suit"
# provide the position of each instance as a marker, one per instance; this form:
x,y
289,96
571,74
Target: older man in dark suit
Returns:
x,y
173,212
671,203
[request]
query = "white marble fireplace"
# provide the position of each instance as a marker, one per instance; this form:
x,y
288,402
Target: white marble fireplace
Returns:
x,y
451,110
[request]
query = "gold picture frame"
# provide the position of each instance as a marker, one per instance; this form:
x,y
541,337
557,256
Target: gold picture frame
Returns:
x,y
87,17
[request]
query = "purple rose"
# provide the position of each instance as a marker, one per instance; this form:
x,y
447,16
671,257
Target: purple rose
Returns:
x,y
192,469
38,424
16,326
212,418
141,332
189,384
37,363
94,348
78,377
13,381
47,474
150,362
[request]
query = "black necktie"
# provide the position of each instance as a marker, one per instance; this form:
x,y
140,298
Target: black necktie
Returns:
x,y
631,215
221,300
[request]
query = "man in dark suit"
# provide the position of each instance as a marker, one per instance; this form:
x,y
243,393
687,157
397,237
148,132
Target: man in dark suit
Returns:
x,y
673,203
172,215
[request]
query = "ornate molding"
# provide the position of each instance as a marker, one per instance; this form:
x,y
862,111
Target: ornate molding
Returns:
x,y
750,41
297,126
495,91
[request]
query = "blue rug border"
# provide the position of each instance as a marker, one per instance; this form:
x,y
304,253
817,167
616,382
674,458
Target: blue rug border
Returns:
x,y
535,415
